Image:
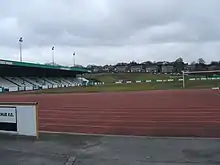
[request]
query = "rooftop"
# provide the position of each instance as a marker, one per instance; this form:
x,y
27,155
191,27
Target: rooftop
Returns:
x,y
43,66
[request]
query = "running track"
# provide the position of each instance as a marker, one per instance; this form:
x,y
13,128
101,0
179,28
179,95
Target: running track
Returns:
x,y
152,113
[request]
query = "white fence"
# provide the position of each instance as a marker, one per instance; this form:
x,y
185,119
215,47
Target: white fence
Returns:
x,y
169,80
19,118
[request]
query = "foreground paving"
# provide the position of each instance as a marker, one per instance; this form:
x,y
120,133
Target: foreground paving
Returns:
x,y
54,149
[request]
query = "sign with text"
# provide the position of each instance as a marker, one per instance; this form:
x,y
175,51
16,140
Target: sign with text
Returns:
x,y
7,115
8,119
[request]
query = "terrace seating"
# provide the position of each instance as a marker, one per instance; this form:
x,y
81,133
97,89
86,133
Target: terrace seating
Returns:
x,y
38,82
51,82
22,83
74,81
5,84
32,83
63,81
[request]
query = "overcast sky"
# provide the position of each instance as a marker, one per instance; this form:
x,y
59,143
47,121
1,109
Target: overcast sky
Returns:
x,y
110,31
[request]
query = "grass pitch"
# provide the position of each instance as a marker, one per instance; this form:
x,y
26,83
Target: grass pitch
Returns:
x,y
110,86
131,87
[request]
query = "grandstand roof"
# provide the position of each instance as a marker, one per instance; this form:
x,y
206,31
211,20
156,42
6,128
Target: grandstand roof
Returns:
x,y
15,68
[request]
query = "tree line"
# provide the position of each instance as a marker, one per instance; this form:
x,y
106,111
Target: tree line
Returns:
x,y
178,65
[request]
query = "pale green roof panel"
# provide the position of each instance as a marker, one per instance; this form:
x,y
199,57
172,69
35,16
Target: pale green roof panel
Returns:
x,y
34,65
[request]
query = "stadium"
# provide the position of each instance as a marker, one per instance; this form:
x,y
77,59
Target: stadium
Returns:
x,y
185,113
109,82
22,76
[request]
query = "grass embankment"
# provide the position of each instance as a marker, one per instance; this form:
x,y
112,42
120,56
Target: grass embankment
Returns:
x,y
113,77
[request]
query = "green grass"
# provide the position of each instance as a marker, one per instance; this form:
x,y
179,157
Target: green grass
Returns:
x,y
111,88
132,87
113,77
203,84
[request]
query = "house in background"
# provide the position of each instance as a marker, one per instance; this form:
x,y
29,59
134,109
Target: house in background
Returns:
x,y
213,67
120,68
136,68
151,69
167,69
190,68
107,68
97,69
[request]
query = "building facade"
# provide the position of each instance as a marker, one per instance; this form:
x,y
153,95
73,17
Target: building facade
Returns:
x,y
151,69
136,68
167,69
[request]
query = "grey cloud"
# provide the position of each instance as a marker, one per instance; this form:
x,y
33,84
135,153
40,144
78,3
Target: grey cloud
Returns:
x,y
111,30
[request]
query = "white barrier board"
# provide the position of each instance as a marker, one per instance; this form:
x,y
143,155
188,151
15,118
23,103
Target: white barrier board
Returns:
x,y
19,118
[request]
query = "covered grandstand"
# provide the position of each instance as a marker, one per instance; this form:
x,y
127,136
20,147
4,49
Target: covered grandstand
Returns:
x,y
20,76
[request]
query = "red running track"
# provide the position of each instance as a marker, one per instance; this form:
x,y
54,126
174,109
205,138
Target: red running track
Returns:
x,y
152,113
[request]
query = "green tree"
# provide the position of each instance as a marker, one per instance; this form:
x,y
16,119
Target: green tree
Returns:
x,y
179,60
201,61
201,65
178,65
